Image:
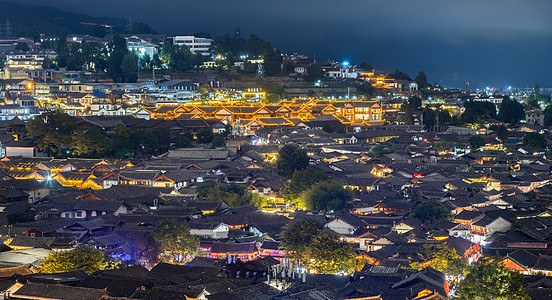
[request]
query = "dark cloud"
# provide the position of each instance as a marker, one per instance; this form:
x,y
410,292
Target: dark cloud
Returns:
x,y
496,42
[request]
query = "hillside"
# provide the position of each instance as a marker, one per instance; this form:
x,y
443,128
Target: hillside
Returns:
x,y
32,20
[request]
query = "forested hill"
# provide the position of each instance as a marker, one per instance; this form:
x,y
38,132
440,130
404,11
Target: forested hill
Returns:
x,y
30,20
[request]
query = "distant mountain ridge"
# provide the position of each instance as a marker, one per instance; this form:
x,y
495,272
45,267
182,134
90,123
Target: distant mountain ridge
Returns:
x,y
31,20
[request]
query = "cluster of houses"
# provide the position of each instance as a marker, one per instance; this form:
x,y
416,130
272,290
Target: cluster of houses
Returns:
x,y
498,196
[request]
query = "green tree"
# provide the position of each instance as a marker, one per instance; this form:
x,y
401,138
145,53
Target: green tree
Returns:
x,y
22,47
289,66
218,142
142,249
175,242
421,80
233,194
123,144
98,31
314,72
140,28
486,281
256,46
366,67
380,150
533,139
52,132
92,143
476,141
297,237
301,181
400,75
431,212
18,217
330,255
441,257
510,111
205,136
477,112
326,196
406,117
272,99
291,158
115,60
273,62
429,117
415,103
129,67
183,141
87,259
537,100
547,116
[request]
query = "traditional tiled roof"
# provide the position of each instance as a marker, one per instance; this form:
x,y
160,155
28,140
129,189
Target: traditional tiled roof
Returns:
x,y
233,247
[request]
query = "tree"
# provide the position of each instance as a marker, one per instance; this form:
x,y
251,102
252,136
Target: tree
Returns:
x,y
548,116
22,47
477,112
365,66
129,67
533,139
233,194
330,255
123,143
92,143
491,281
326,196
205,136
98,31
421,80
142,249
444,258
429,117
537,100
415,103
289,66
406,117
256,46
501,132
52,131
441,257
476,141
183,141
314,72
510,111
175,242
431,212
273,62
140,28
400,75
18,217
291,158
218,142
272,99
297,237
380,150
87,259
115,60
303,180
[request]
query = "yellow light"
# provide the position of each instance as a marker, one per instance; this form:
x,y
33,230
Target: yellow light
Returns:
x,y
30,86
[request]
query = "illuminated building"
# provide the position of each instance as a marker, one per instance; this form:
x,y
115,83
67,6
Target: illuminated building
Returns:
x,y
141,47
196,44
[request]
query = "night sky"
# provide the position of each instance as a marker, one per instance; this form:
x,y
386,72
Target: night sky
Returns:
x,y
488,42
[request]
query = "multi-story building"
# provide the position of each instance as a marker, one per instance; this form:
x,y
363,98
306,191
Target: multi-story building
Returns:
x,y
196,44
141,47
